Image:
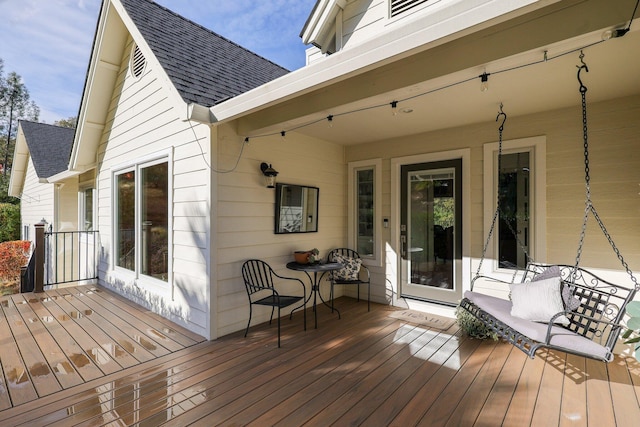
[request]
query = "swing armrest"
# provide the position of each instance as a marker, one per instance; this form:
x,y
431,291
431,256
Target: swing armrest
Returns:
x,y
596,320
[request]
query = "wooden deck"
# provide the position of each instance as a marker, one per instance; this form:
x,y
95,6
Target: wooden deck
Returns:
x,y
365,369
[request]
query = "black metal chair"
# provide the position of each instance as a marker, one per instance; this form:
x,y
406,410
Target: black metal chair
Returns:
x,y
259,281
335,280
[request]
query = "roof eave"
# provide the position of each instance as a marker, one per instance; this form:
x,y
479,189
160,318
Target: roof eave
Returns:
x,y
398,43
321,22
20,164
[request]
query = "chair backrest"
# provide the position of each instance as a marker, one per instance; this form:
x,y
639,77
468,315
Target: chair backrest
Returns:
x,y
346,252
257,275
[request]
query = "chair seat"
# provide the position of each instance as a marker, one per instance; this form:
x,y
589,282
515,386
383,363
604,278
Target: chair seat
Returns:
x,y
272,301
258,279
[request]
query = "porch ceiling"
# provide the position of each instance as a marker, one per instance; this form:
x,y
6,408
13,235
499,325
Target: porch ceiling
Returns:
x,y
524,82
613,73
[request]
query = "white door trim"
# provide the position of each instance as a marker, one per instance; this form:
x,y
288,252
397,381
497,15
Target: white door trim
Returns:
x,y
393,248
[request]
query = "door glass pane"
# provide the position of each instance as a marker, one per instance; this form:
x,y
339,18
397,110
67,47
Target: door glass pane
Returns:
x,y
431,227
155,233
125,230
513,230
365,213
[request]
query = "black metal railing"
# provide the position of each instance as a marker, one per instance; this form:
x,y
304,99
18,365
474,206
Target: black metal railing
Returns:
x,y
70,256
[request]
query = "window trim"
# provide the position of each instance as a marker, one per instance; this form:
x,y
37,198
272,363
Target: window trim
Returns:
x,y
536,146
352,217
82,198
143,280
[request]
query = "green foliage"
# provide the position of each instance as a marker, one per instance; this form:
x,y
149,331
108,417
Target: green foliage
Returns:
x,y
71,122
4,191
633,326
9,222
473,327
15,104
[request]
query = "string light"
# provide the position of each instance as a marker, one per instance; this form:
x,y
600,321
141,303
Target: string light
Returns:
x,y
484,82
394,104
330,120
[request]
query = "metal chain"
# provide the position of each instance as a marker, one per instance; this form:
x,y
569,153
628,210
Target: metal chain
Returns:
x,y
589,207
498,210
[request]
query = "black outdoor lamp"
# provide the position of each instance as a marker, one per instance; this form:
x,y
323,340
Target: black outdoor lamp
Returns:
x,y
269,174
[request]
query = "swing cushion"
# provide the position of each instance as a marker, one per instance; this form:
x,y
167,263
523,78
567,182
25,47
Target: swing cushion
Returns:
x,y
538,301
560,337
571,303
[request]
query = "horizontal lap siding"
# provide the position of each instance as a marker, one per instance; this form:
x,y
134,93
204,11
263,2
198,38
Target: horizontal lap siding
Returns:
x,y
615,177
143,120
36,201
245,212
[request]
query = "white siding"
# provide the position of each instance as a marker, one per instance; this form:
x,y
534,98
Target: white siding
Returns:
x,y
142,121
615,176
365,19
36,201
245,213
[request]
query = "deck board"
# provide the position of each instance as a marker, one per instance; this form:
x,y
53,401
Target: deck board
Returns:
x,y
500,397
54,341
37,368
156,328
55,356
364,369
547,410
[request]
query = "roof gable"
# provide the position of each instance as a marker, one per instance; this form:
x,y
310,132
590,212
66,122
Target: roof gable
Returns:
x,y
204,67
49,147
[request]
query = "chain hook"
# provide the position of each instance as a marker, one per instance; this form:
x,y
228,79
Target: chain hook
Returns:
x,y
583,88
504,118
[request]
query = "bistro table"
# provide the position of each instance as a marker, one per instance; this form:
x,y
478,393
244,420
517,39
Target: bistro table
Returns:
x,y
316,268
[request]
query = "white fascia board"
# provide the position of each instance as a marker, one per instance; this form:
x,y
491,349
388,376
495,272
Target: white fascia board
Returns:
x,y
395,44
60,176
322,20
20,163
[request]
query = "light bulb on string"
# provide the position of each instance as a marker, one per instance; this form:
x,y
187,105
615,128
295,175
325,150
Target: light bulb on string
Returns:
x,y
394,108
330,120
484,82
283,135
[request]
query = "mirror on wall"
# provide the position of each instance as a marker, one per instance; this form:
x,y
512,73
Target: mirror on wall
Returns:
x,y
296,209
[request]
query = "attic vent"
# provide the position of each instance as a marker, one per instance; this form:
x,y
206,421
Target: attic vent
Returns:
x,y
138,62
398,7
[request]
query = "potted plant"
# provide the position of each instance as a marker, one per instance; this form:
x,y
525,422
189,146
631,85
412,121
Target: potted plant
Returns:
x,y
633,325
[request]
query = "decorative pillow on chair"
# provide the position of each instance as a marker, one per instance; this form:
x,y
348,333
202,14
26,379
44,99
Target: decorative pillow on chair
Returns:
x,y
570,302
538,301
350,268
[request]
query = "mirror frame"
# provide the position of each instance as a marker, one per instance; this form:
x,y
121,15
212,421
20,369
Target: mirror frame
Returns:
x,y
278,208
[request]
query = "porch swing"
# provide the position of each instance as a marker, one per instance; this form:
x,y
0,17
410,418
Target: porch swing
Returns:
x,y
559,307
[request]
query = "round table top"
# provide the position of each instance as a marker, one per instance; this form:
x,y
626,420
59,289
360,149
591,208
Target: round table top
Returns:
x,y
327,266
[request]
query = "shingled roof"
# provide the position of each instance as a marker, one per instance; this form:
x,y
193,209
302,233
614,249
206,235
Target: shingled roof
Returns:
x,y
49,147
205,68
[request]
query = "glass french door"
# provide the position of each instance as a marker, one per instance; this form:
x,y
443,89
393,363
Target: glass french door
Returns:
x,y
431,231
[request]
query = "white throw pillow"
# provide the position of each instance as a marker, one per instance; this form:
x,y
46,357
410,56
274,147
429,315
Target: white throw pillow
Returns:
x,y
571,303
538,301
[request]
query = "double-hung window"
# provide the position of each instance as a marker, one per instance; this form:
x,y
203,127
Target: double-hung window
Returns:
x,y
142,219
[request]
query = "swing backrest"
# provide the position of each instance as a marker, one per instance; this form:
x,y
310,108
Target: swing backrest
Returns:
x,y
601,302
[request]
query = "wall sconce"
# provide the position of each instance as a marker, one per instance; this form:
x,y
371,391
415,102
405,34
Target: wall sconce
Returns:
x,y
269,175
